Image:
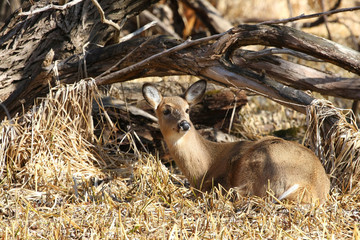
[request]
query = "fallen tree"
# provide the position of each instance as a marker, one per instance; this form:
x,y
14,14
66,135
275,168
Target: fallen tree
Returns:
x,y
39,36
57,45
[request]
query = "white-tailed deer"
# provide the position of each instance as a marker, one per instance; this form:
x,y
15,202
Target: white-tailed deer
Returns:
x,y
289,169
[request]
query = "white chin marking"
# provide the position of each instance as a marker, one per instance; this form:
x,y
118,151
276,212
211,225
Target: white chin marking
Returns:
x,y
179,138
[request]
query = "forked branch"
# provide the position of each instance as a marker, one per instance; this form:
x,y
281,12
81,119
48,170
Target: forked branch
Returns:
x,y
219,58
221,61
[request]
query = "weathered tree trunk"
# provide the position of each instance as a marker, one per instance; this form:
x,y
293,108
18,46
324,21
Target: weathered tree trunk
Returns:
x,y
28,65
27,42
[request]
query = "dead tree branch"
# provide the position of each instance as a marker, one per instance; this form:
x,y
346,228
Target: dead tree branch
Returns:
x,y
282,36
321,19
26,40
104,19
50,7
111,78
215,58
302,16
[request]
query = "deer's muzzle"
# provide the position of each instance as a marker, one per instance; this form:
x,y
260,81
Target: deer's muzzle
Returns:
x,y
184,125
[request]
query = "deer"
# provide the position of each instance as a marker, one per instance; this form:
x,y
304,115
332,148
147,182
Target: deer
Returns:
x,y
289,169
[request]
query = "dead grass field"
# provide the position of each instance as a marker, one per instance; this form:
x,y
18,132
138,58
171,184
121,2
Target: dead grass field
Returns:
x,y
58,182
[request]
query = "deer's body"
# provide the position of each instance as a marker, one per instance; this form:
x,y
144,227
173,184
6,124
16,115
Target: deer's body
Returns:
x,y
250,167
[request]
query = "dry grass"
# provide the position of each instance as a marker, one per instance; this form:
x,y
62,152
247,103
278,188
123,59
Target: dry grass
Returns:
x,y
261,117
331,133
334,136
59,182
56,183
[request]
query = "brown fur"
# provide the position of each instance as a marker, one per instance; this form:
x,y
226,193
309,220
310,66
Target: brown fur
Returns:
x,y
250,167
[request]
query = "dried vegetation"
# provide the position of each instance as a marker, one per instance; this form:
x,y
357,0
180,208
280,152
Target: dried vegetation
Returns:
x,y
57,182
60,181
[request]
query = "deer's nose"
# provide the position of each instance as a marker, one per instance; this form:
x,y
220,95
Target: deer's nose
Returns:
x,y
184,125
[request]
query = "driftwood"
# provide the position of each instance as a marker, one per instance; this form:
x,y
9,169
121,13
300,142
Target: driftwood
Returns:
x,y
29,65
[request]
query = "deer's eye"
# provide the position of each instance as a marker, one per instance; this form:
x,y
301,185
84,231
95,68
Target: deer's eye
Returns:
x,y
187,110
166,111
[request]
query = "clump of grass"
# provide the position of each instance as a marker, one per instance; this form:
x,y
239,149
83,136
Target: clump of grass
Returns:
x,y
50,144
333,135
261,117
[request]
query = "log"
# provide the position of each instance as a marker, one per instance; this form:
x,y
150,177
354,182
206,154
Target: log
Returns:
x,y
209,65
302,77
27,39
28,65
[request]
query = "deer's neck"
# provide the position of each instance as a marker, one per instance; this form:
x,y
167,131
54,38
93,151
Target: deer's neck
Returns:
x,y
193,154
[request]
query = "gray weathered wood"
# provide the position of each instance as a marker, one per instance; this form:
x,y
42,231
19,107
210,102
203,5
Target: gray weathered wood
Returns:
x,y
25,41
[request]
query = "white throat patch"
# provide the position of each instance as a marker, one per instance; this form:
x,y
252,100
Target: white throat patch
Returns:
x,y
178,139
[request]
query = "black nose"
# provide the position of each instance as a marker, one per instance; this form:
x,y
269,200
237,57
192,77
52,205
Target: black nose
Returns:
x,y
184,125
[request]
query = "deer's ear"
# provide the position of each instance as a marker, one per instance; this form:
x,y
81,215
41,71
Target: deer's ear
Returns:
x,y
195,92
151,95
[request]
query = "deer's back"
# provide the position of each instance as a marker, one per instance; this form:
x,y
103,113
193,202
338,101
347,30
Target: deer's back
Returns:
x,y
278,164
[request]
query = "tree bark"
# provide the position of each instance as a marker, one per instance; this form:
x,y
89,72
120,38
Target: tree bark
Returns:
x,y
27,42
28,65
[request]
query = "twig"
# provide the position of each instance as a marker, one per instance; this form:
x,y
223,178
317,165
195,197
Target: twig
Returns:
x,y
168,29
137,32
326,20
355,46
103,18
291,14
290,8
121,60
50,6
302,16
271,51
321,19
